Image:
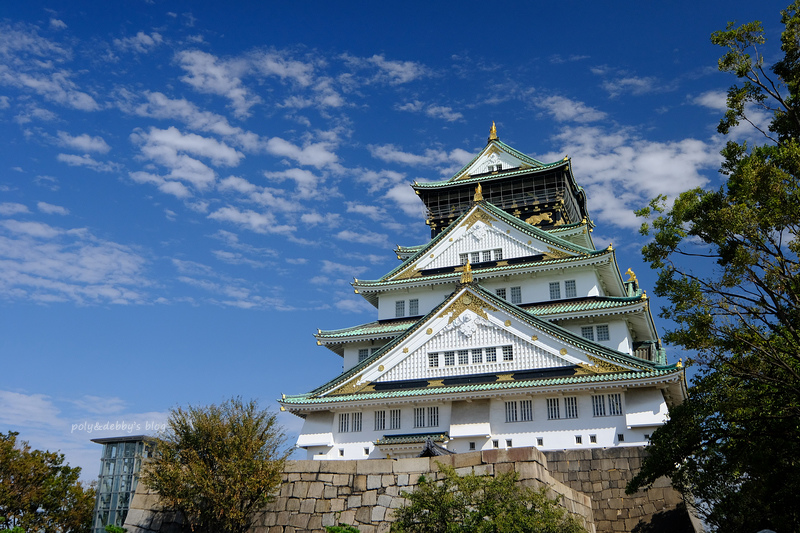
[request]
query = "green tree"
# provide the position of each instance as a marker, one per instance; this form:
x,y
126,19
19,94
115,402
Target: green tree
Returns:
x,y
474,503
728,265
217,465
39,492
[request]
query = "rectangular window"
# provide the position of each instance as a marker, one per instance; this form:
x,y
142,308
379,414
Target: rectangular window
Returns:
x,y
495,443
593,439
508,353
487,256
449,358
620,437
498,254
380,420
526,410
553,411
463,258
356,422
614,404
471,446
477,356
602,333
433,416
394,419
587,332
570,290
344,422
363,353
555,290
599,405
501,293
419,417
516,295
400,308
491,355
511,412
475,257
413,307
578,439
508,443
571,407
540,441
433,360
463,357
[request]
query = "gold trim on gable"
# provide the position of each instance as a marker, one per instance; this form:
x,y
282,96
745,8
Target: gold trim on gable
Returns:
x,y
352,386
554,253
466,302
599,366
504,377
435,383
478,216
409,273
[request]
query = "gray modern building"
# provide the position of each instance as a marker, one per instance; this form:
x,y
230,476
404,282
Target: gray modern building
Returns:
x,y
121,462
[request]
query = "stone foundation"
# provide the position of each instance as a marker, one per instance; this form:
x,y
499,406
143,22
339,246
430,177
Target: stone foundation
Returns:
x,y
364,493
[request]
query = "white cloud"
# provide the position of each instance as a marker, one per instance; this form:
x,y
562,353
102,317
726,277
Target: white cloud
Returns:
x,y
715,100
57,24
11,208
370,211
406,199
389,71
274,63
209,74
263,222
364,237
448,162
307,182
617,82
17,409
86,161
444,112
564,109
84,142
55,86
354,305
329,267
141,42
51,209
313,154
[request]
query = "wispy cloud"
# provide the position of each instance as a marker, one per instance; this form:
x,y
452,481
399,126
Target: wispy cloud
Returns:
x,y
84,142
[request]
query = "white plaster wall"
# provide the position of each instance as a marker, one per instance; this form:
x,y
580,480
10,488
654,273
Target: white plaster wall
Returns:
x,y
618,332
645,407
429,298
481,237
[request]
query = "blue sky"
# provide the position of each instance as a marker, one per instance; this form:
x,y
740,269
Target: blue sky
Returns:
x,y
188,188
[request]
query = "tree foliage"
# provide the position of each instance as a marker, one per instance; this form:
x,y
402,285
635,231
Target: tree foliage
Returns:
x,y
39,492
474,503
217,465
728,263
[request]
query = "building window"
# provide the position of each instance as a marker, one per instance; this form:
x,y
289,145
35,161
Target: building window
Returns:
x,y
449,358
463,357
620,437
599,405
508,443
508,353
394,419
463,258
363,353
341,452
475,257
495,443
540,441
501,293
555,290
516,295
491,355
614,404
380,420
571,407
511,412
366,451
344,422
477,356
526,410
498,254
593,439
413,307
602,333
400,308
419,417
587,332
487,256
570,290
578,439
471,446
355,424
553,411
433,416
433,360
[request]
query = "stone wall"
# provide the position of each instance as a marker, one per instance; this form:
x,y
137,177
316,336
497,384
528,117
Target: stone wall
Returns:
x,y
365,493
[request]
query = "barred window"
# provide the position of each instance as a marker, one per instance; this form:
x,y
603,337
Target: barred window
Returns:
x,y
363,353
599,405
344,422
511,412
475,257
491,355
578,439
516,295
413,307
463,258
614,404
501,293
570,290
394,419
508,353
380,420
419,417
571,407
555,290
587,332
498,254
487,255
526,410
433,360
477,356
355,424
553,411
463,357
449,358
433,416
602,333
400,308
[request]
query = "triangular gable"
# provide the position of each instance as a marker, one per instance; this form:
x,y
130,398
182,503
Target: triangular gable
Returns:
x,y
496,153
485,228
473,318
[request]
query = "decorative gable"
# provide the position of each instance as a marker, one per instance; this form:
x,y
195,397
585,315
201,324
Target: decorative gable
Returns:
x,y
493,159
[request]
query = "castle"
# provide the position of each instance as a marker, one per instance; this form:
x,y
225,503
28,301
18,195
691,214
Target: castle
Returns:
x,y
507,329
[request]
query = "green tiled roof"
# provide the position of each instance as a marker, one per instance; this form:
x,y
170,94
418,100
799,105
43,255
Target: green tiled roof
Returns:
x,y
412,438
308,399
371,328
566,306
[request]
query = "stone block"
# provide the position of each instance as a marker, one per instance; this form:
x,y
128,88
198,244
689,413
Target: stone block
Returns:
x,y
325,478
367,529
345,490
347,517
363,515
330,492
354,501
299,520
398,502
402,480
308,505
308,476
503,468
315,489
416,464
314,523
615,503
384,500
369,497
495,456
378,512
338,467
464,471
337,505
484,470
276,529
291,478
270,519
302,466
359,483
328,519
392,490
374,481
461,460
374,466
530,470
387,480
300,489
283,517
293,504
385,526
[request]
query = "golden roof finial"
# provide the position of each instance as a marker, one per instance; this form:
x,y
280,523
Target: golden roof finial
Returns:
x,y
478,193
493,132
466,275
631,274
680,363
